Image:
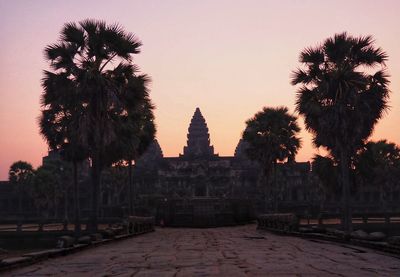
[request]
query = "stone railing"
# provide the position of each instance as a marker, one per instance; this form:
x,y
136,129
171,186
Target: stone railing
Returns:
x,y
133,225
280,222
139,225
31,227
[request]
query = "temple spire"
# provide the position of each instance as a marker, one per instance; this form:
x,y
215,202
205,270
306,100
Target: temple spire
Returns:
x,y
198,138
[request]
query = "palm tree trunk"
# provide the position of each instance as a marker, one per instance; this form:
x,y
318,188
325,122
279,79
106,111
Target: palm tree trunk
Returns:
x,y
323,201
130,188
95,192
266,191
20,202
55,204
76,199
347,218
275,189
49,208
66,205
384,203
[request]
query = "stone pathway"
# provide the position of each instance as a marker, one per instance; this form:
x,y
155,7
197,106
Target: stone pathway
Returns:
x,y
228,251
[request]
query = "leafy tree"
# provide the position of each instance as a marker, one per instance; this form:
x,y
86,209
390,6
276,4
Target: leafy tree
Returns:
x,y
46,191
136,133
325,169
271,136
343,94
378,163
98,97
376,159
21,176
114,184
146,130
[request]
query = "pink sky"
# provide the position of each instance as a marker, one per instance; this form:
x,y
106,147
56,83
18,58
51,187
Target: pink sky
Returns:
x,y
230,58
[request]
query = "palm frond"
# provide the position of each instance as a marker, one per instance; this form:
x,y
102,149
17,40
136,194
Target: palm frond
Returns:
x,y
71,33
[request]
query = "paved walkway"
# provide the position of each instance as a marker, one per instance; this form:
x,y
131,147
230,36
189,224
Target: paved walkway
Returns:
x,y
230,251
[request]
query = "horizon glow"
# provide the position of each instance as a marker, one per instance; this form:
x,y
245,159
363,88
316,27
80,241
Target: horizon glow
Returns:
x,y
229,58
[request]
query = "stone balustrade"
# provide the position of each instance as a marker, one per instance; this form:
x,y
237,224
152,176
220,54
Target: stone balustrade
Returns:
x,y
139,225
287,222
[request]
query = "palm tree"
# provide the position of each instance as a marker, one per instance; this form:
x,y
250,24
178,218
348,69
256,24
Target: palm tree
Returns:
x,y
378,163
59,126
104,93
271,136
21,176
343,94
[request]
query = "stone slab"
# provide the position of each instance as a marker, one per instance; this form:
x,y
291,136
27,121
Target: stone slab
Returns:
x,y
227,251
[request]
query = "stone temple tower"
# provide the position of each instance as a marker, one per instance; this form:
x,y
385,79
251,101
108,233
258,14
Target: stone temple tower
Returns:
x,y
198,139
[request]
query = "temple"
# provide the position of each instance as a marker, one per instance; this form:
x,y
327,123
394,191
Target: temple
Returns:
x,y
198,139
199,186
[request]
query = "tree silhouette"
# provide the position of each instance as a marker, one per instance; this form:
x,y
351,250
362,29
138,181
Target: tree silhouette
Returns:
x,y
21,176
378,163
343,94
325,169
271,136
95,61
135,133
51,185
59,125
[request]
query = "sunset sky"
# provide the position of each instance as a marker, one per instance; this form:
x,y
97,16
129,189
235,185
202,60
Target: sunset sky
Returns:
x,y
230,58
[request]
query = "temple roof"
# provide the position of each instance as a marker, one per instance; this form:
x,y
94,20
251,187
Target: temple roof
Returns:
x,y
198,138
152,155
240,149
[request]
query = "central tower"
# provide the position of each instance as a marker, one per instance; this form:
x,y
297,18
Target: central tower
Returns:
x,y
198,138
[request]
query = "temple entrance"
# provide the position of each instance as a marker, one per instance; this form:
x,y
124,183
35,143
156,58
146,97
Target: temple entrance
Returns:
x,y
200,190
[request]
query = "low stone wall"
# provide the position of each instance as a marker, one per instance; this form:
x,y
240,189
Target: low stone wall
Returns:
x,y
204,212
138,225
67,244
289,224
282,222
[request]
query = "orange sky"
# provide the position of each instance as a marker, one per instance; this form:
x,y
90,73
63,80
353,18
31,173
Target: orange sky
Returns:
x,y
230,58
